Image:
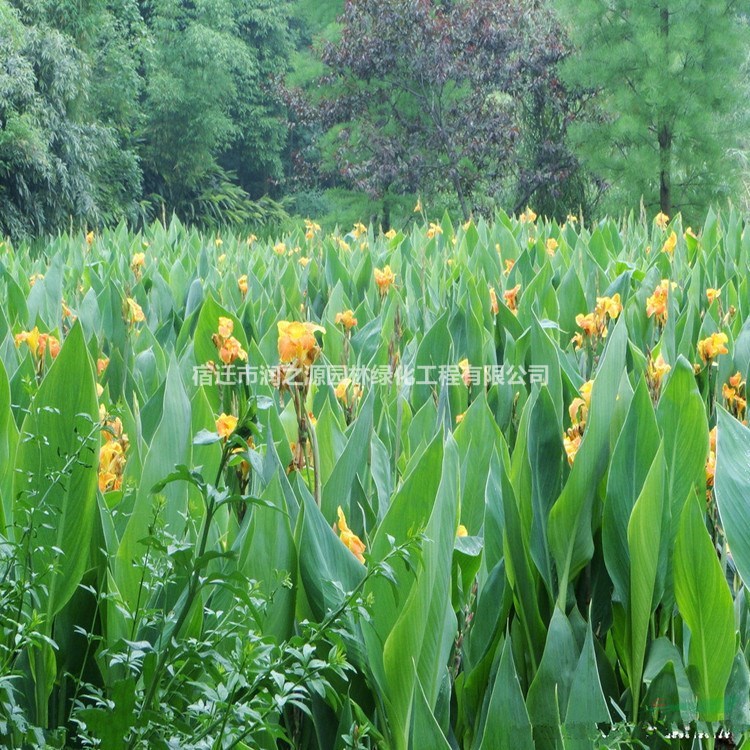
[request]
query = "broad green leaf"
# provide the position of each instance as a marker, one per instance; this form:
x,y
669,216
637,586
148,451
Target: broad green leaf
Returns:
x,y
631,460
732,488
423,632
569,526
56,473
644,541
547,699
705,604
508,726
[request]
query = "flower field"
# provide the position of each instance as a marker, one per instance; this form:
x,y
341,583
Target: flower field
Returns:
x,y
478,487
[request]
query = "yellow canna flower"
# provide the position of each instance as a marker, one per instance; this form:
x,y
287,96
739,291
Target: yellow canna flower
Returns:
x,y
390,234
528,216
346,319
661,220
138,261
509,266
551,246
35,277
297,342
711,347
608,306
460,418
348,537
712,294
657,369
511,298
279,248
418,207
242,284
112,454
30,338
226,424
226,326
303,261
90,237
571,445
462,530
311,229
358,230
671,243
588,324
101,365
135,312
347,388
434,230
658,303
231,350
493,302
384,278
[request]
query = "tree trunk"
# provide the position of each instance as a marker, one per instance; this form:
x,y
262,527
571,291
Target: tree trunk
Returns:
x,y
665,170
461,197
665,136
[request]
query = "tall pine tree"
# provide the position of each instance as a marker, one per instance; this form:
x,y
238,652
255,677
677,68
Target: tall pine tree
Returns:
x,y
671,87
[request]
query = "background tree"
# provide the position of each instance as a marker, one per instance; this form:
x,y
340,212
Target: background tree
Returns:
x,y
62,154
669,75
427,97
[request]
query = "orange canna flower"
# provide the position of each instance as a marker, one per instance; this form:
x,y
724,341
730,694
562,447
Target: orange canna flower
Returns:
x,y
661,220
346,319
348,537
384,278
712,294
511,298
434,230
135,312
493,302
711,347
527,216
671,243
658,303
297,342
226,424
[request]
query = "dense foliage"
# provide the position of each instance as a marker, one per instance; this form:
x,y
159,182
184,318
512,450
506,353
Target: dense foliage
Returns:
x,y
672,77
224,523
127,110
432,97
239,112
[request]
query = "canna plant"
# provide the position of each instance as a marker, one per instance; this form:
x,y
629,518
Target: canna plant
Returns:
x,y
470,487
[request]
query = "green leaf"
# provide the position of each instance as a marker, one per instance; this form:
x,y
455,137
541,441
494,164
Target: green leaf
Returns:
x,y
705,603
56,473
569,529
681,416
328,570
508,726
586,704
8,442
547,699
644,541
631,461
732,488
424,631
